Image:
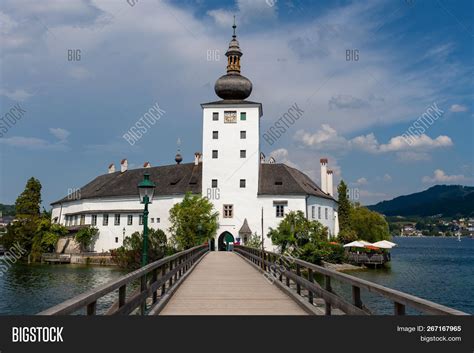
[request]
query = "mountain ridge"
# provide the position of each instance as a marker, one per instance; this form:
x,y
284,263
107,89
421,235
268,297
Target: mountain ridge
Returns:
x,y
445,200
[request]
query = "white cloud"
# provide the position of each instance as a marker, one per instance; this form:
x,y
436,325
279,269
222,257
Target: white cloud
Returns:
x,y
439,176
60,134
327,138
281,156
16,95
360,181
31,143
387,178
458,108
247,11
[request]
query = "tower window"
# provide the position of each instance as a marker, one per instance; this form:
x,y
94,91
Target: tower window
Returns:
x,y
214,153
215,116
140,219
214,183
129,219
117,219
243,135
319,212
243,153
83,219
105,220
94,220
215,135
116,239
228,211
243,116
242,183
326,213
313,212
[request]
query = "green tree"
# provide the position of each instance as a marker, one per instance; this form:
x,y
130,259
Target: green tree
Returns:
x,y
295,230
369,225
344,207
46,237
130,253
255,241
28,202
193,221
346,236
24,228
86,236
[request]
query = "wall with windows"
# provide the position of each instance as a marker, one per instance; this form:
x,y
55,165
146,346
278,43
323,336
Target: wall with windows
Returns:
x,y
323,211
119,211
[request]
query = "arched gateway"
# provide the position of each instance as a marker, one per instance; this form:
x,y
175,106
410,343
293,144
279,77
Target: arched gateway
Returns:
x,y
224,239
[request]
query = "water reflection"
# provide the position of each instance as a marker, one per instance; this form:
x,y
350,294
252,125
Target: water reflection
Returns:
x,y
29,289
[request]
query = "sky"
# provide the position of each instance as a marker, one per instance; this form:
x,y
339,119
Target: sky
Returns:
x,y
385,87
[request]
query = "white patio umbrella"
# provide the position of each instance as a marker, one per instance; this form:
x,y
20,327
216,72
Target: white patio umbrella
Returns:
x,y
354,244
384,244
365,242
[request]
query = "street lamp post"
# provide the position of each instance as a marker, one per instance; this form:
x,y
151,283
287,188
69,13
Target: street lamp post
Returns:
x,y
146,188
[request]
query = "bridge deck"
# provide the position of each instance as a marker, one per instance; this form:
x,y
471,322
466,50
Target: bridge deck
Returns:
x,y
225,284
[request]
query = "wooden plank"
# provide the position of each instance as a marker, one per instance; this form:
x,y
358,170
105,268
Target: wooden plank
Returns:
x,y
224,284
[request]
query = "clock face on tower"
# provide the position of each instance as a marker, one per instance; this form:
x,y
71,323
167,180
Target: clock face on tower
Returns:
x,y
230,117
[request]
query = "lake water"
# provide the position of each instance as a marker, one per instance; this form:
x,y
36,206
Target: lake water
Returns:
x,y
437,269
29,289
433,268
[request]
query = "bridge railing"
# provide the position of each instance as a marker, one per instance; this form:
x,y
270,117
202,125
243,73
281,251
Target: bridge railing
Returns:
x,y
156,280
291,272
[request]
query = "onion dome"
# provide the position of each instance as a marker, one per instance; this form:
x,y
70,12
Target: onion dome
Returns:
x,y
178,158
233,85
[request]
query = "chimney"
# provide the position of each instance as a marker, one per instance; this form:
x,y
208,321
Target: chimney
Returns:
x,y
146,165
330,190
197,157
112,168
123,165
324,167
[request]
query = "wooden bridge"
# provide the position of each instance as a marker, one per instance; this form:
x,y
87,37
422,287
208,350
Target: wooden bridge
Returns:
x,y
247,281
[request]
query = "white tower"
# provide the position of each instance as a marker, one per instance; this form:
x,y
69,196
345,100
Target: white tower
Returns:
x,y
231,148
324,177
329,182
